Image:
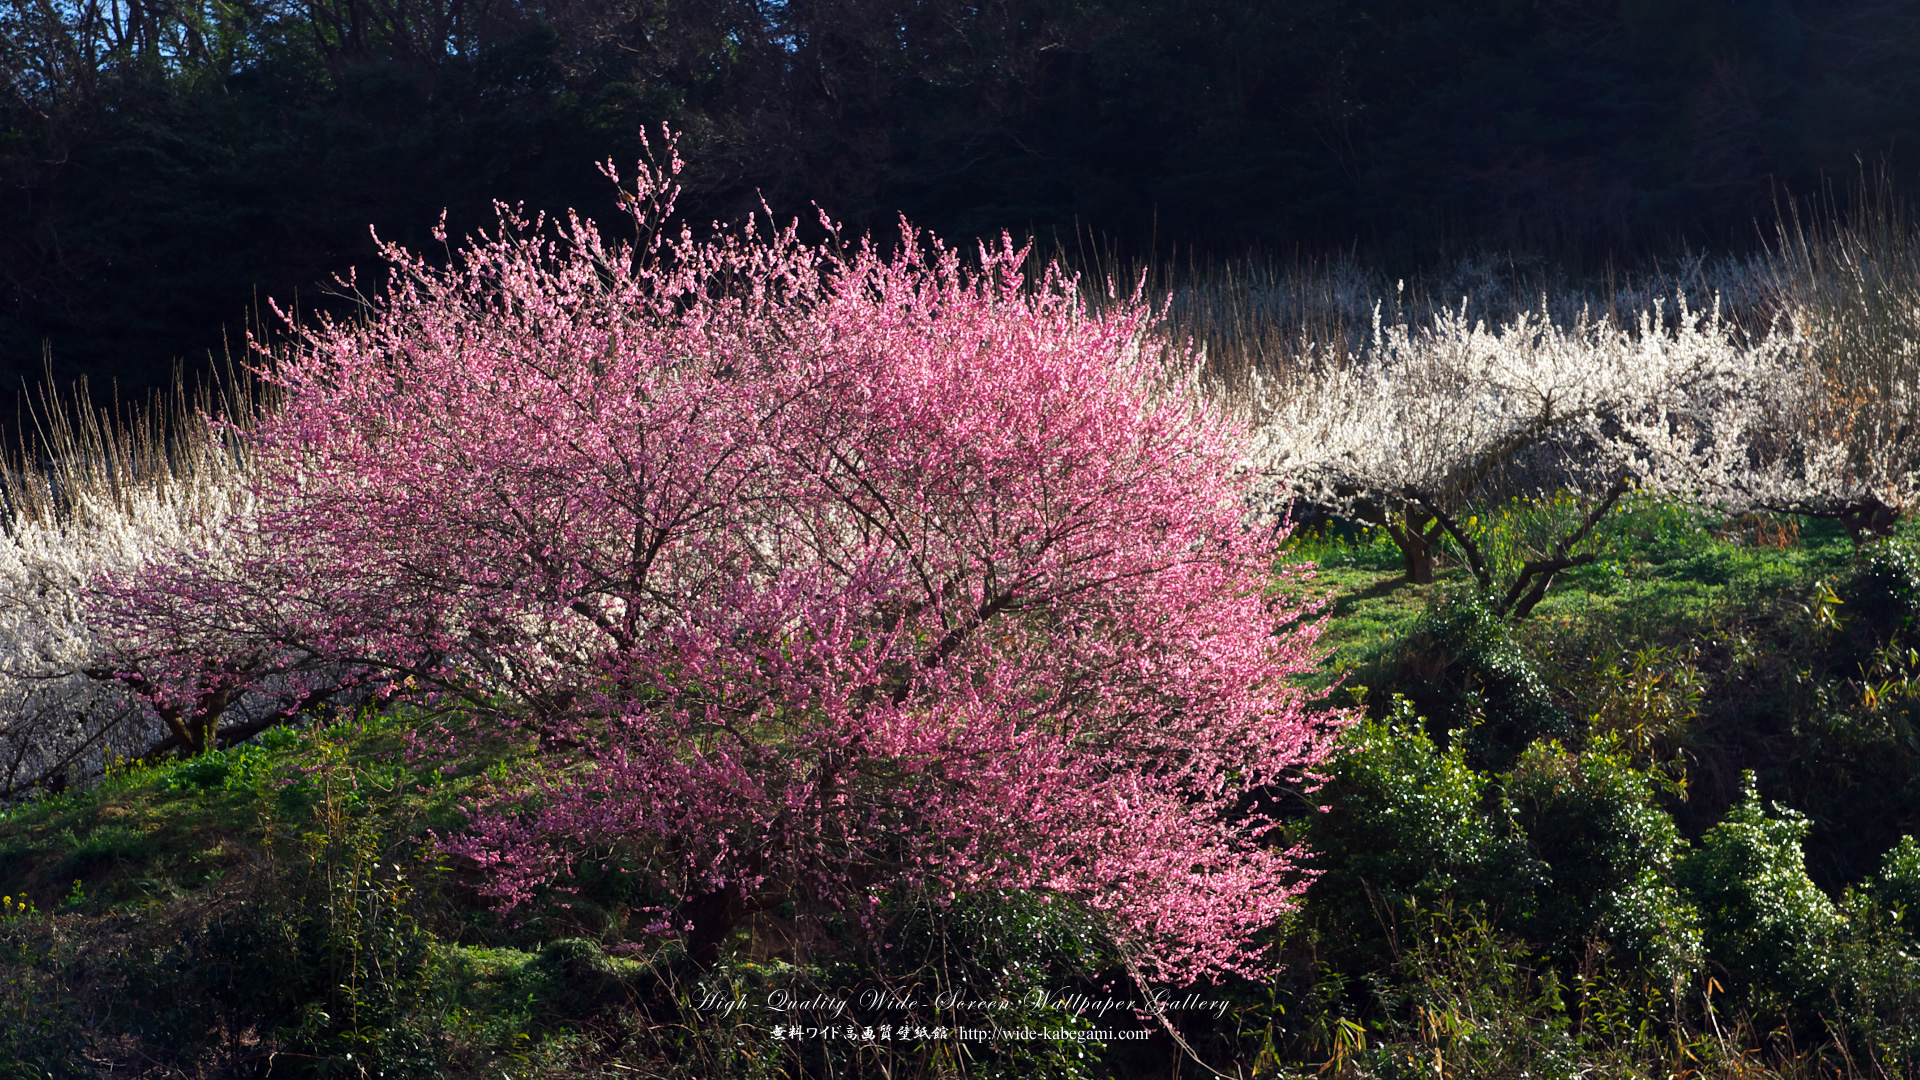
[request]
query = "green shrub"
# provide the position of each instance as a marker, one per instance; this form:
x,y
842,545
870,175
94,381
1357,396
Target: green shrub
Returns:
x,y
1767,925
1874,1001
1407,825
1898,885
233,769
1883,593
1607,851
1463,671
1889,575
573,980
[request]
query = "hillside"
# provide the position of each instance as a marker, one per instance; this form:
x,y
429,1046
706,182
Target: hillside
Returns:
x,y
1537,858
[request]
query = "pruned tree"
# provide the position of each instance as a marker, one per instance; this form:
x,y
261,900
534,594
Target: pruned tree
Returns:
x,y
823,572
1433,425
95,497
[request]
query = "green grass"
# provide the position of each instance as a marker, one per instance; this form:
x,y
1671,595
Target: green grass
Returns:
x,y
211,876
1372,604
1666,574
158,831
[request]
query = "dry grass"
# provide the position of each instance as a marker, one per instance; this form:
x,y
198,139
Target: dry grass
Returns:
x,y
78,459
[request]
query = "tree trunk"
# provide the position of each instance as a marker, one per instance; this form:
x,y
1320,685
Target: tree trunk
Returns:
x,y
1870,519
713,915
1414,535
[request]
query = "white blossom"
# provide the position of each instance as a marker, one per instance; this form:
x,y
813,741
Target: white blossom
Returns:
x,y
60,709
1428,423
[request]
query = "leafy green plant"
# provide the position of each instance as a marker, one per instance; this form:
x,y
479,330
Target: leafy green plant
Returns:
x,y
1873,1001
1645,700
369,951
1407,826
1884,589
1766,924
1607,854
1898,884
1462,669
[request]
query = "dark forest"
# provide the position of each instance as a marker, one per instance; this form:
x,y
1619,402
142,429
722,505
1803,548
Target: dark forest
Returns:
x,y
169,168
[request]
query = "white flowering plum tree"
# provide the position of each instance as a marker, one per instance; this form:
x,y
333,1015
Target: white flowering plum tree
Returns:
x,y
1431,426
101,498
1840,436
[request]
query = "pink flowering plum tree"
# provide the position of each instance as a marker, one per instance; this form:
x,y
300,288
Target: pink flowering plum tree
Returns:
x,y
821,571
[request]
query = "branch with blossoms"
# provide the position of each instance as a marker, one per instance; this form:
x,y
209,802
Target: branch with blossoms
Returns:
x,y
819,571
1433,426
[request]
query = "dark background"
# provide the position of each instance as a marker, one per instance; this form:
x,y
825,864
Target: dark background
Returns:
x,y
165,168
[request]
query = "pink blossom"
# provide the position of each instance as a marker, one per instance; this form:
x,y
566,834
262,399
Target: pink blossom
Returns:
x,y
821,571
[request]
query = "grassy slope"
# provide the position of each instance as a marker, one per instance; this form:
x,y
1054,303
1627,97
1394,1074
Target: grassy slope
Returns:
x,y
1665,575
117,876
330,822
